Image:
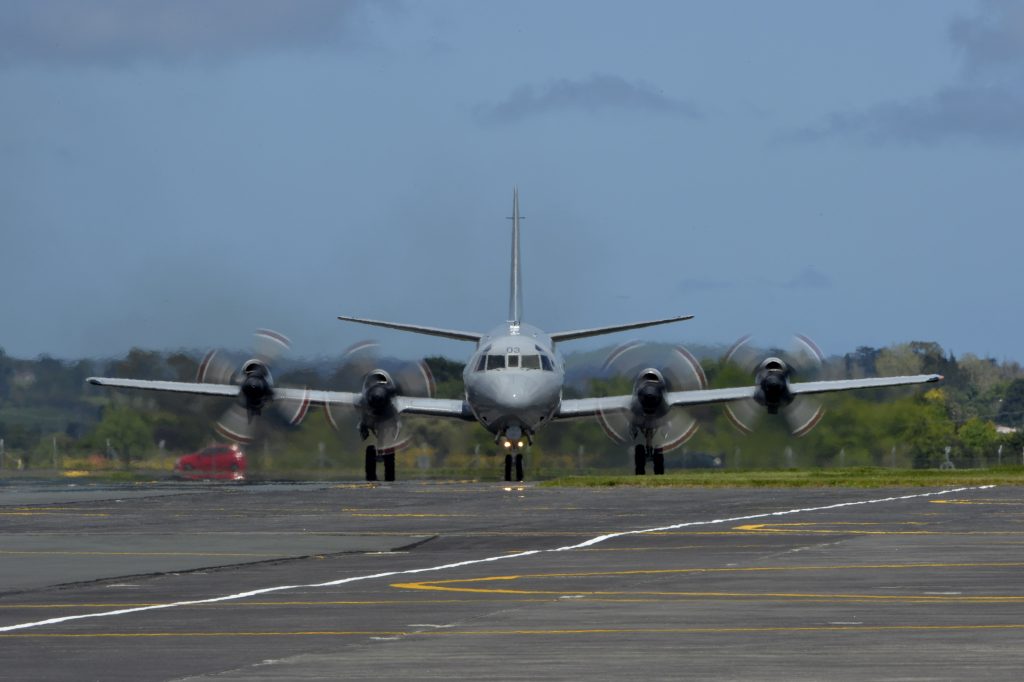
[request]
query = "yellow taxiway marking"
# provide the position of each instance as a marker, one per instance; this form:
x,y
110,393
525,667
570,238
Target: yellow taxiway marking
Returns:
x,y
407,516
11,552
461,584
818,529
365,602
50,513
521,632
1008,503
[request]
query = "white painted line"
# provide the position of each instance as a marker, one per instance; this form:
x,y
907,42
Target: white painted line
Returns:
x,y
471,562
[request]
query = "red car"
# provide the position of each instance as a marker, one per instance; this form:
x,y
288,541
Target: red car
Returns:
x,y
222,462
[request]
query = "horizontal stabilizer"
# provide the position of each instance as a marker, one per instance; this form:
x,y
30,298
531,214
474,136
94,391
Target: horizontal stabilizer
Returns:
x,y
417,329
599,331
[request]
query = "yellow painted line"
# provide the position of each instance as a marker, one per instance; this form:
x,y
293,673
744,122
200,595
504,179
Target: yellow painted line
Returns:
x,y
1008,503
460,585
523,632
367,602
748,569
407,516
790,528
802,596
663,548
127,635
50,513
71,553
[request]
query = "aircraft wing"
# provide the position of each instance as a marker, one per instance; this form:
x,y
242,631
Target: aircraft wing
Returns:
x,y
723,395
224,390
588,407
435,407
228,390
851,384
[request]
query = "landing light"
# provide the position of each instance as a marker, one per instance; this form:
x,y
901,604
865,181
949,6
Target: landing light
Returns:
x,y
519,444
508,444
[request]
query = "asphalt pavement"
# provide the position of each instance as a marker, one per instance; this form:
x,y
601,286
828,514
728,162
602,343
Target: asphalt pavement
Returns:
x,y
442,580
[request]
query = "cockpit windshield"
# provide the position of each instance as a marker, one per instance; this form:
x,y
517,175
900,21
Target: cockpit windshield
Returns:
x,y
514,361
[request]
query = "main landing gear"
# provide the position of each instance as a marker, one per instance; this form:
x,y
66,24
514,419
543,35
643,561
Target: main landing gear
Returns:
x,y
641,453
373,456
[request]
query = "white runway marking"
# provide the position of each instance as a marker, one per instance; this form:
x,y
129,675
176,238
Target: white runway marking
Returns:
x,y
443,567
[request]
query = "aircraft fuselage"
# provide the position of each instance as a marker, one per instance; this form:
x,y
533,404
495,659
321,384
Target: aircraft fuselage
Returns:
x,y
514,381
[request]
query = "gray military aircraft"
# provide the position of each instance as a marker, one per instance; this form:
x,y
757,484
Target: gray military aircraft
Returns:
x,y
513,387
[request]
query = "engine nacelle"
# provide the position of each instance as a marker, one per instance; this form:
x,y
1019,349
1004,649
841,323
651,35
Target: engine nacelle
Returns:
x,y
772,380
378,389
257,387
649,394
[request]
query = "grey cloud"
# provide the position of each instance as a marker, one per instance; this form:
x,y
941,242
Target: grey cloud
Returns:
x,y
600,92
699,284
986,104
125,32
992,114
993,38
809,278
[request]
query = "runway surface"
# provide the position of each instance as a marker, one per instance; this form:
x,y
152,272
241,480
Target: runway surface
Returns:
x,y
489,581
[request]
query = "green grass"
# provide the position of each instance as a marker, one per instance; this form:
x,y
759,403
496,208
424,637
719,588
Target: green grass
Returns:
x,y
866,477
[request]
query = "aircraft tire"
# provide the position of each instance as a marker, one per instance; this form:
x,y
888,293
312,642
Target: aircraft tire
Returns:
x,y
371,463
508,467
519,467
389,467
659,462
640,460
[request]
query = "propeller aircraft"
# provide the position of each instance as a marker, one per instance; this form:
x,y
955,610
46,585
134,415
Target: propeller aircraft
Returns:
x,y
513,387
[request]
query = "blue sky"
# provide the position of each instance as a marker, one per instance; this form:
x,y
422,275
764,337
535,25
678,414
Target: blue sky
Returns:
x,y
178,174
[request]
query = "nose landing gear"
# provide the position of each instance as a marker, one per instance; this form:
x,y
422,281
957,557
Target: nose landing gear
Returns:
x,y
518,459
512,440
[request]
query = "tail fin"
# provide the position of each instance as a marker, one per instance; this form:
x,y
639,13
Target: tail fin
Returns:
x,y
515,301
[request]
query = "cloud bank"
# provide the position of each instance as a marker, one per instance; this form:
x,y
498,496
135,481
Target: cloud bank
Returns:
x,y
985,104
600,92
117,33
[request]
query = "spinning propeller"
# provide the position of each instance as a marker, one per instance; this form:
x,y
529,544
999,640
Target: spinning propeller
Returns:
x,y
654,370
378,381
772,375
256,386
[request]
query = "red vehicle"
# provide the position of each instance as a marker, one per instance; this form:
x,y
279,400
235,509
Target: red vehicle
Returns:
x,y
221,462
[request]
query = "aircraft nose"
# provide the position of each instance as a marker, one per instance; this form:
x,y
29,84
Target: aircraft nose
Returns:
x,y
517,392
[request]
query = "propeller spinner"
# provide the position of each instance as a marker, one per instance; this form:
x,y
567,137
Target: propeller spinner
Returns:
x,y
772,376
379,380
256,386
654,370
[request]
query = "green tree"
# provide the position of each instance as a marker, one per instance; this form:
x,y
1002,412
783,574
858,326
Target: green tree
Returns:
x,y
1011,413
979,439
127,432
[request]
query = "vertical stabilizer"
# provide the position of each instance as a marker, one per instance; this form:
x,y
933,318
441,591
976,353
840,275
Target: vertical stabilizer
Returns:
x,y
515,300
